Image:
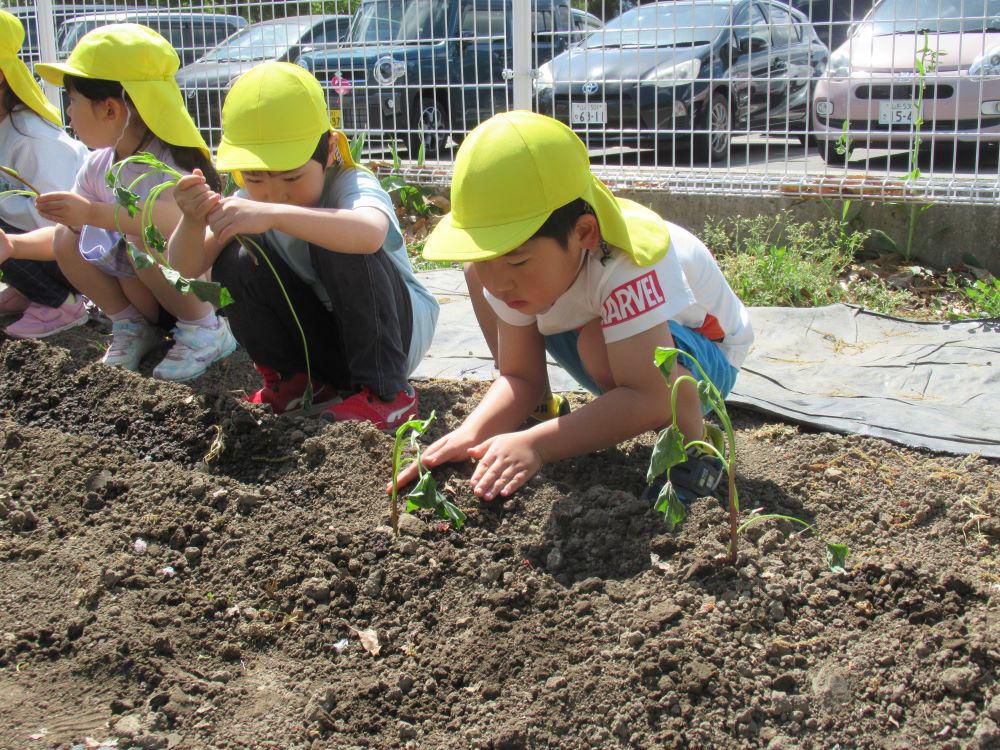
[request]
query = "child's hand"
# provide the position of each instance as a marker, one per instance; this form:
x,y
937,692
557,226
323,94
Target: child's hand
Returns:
x,y
454,446
505,463
195,198
235,216
69,209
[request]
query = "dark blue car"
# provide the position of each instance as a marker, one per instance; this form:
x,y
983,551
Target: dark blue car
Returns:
x,y
693,72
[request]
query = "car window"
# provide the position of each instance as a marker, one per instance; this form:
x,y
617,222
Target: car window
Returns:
x,y
329,31
677,24
750,22
782,31
396,20
932,17
482,22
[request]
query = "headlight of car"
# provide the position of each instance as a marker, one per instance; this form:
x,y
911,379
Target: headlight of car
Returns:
x,y
839,65
986,65
543,79
674,74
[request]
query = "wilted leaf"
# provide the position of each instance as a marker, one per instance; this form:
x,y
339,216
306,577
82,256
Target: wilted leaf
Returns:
x,y
667,453
127,200
154,238
452,512
369,639
705,395
424,494
670,506
836,557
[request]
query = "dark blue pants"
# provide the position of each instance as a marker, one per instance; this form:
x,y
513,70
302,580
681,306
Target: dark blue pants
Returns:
x,y
363,341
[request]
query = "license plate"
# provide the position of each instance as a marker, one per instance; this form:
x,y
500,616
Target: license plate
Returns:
x,y
897,113
336,120
593,113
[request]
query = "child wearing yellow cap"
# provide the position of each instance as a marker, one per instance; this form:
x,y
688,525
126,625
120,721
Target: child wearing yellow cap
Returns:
x,y
556,263
332,235
33,144
123,100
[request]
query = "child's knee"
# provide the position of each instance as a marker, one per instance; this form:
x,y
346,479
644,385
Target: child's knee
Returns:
x,y
65,245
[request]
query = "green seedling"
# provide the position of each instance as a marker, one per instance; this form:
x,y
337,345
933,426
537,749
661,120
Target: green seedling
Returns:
x,y
985,297
670,450
425,493
156,244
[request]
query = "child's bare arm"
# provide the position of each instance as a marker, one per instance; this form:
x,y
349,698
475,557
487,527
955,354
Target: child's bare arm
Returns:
x,y
73,210
639,401
34,245
344,230
509,401
193,247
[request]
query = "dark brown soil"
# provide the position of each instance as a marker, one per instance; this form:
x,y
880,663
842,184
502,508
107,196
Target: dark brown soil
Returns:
x,y
565,617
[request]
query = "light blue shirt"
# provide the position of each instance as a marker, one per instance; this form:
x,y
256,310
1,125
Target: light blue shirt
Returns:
x,y
355,188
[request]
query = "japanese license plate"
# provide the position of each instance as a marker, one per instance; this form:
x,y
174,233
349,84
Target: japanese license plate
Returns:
x,y
897,113
591,113
336,120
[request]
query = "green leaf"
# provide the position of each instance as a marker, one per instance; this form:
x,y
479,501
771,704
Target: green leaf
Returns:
x,y
127,200
154,238
393,182
705,395
206,291
451,512
423,494
670,506
665,359
836,557
140,258
667,453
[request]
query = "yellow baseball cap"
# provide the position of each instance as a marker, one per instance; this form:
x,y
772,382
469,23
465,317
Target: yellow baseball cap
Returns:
x,y
144,63
16,73
272,119
511,173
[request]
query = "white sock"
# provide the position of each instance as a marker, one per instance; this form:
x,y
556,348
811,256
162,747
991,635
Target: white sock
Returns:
x,y
129,313
206,321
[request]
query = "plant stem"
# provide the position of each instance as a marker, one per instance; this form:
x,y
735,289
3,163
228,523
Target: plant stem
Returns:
x,y
307,396
13,174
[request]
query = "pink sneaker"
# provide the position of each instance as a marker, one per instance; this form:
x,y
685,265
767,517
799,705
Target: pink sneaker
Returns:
x,y
12,301
40,321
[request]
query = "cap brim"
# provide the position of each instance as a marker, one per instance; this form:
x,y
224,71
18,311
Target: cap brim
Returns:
x,y
275,156
28,91
55,73
448,242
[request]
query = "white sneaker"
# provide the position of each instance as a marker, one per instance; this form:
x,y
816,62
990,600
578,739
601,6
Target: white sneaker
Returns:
x,y
194,349
131,340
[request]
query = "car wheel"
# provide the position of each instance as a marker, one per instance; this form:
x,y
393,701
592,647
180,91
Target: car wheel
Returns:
x,y
712,145
429,127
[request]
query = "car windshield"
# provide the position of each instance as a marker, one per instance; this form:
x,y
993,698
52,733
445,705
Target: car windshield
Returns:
x,y
75,30
932,17
663,25
258,42
400,21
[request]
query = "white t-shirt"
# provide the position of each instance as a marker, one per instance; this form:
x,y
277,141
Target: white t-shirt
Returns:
x,y
685,285
43,155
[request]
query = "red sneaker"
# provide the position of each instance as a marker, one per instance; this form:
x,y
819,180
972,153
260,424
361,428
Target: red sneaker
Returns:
x,y
365,406
284,395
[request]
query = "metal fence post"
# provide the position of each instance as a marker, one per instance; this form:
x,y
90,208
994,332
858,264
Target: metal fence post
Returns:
x,y
521,29
47,44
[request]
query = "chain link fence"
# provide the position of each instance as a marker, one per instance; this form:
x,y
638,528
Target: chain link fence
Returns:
x,y
899,100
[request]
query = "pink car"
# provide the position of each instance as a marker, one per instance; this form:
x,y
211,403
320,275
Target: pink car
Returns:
x,y
868,95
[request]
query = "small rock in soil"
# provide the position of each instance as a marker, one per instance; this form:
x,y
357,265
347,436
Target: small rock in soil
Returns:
x,y
410,525
831,686
958,680
987,735
662,614
316,589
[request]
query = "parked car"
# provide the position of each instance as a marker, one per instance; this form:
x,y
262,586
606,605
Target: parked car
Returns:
x,y
205,82
192,34
424,70
28,15
832,19
868,96
582,23
693,71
